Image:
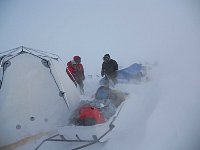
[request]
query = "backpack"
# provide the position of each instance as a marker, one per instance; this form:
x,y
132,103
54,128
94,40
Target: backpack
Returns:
x,y
102,93
90,115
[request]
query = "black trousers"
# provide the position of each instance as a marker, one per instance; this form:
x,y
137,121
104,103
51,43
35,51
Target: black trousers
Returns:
x,y
113,78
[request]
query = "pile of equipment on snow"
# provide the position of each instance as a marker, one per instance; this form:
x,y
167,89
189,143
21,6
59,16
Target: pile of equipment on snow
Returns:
x,y
135,73
100,109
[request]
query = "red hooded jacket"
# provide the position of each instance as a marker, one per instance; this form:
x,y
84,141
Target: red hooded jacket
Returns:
x,y
75,71
71,70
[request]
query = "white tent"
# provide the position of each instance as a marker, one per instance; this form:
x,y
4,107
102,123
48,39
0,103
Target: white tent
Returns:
x,y
36,94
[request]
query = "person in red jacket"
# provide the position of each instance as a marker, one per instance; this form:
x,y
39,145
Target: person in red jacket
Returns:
x,y
71,70
80,73
75,71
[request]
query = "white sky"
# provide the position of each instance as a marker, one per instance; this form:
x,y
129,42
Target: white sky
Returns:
x,y
130,30
166,32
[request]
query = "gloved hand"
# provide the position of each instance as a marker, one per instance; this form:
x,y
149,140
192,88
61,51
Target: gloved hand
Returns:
x,y
75,83
102,73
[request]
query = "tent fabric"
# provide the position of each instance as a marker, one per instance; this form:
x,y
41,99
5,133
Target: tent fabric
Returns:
x,y
130,72
35,94
133,72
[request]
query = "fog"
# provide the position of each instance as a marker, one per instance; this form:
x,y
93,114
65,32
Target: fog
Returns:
x,y
165,34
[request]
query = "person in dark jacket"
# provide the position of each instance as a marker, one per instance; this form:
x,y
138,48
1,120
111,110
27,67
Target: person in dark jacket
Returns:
x,y
109,68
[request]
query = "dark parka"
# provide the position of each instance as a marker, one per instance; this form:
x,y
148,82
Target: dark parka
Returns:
x,y
109,68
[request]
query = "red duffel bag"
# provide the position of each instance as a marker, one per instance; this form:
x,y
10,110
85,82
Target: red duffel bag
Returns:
x,y
90,115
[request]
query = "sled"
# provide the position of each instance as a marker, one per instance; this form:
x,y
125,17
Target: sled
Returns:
x,y
89,135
